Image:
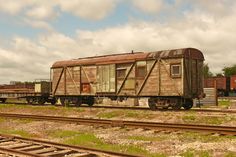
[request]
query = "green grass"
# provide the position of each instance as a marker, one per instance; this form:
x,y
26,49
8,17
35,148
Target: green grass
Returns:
x,y
205,119
230,154
90,140
125,113
224,103
21,133
194,136
35,107
110,114
193,153
213,120
189,117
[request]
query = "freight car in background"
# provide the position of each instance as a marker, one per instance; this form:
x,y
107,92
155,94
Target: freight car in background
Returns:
x,y
171,78
32,92
226,86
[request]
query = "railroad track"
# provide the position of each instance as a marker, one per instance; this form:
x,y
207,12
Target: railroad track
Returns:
x,y
224,130
19,146
146,108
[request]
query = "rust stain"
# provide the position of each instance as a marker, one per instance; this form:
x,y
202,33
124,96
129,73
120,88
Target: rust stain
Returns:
x,y
131,57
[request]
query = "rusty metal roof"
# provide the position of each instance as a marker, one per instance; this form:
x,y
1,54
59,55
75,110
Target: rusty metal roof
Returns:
x,y
130,57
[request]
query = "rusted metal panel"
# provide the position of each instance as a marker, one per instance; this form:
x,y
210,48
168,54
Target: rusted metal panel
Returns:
x,y
108,59
220,82
131,57
19,87
233,82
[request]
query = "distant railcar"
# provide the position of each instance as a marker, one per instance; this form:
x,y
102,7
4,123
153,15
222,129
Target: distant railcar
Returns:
x,y
36,92
221,83
233,83
170,78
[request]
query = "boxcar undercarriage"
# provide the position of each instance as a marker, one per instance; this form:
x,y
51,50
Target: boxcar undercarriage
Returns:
x,y
154,103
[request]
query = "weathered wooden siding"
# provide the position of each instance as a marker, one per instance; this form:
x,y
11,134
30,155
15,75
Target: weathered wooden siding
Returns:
x,y
106,78
66,81
158,82
88,79
72,80
126,85
57,81
193,79
170,86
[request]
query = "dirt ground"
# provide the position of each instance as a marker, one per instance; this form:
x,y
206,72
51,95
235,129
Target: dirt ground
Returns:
x,y
139,141
135,141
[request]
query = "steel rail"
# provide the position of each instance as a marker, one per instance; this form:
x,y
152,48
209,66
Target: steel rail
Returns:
x,y
227,130
30,150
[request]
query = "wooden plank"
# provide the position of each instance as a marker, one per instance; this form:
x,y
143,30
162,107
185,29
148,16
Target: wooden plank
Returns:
x,y
170,79
89,81
56,153
18,145
77,90
30,148
44,150
127,75
59,79
147,76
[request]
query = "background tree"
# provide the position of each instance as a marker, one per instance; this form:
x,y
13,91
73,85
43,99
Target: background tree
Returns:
x,y
219,74
206,71
229,71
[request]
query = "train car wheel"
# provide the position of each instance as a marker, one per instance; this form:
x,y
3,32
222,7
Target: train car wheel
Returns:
x,y
176,107
3,100
165,108
152,104
30,101
53,101
41,101
188,104
90,101
78,102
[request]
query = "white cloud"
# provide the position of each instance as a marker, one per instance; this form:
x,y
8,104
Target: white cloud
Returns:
x,y
38,24
216,7
88,9
149,6
202,29
41,12
12,6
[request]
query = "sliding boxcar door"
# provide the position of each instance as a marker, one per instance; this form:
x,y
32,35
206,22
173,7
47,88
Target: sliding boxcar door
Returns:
x,y
106,78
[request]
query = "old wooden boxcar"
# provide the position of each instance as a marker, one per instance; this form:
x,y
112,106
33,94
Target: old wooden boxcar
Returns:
x,y
170,78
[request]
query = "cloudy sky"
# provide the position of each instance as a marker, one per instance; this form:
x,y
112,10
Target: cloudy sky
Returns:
x,y
36,33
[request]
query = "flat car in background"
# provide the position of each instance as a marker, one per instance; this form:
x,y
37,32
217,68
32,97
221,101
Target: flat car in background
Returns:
x,y
170,78
34,92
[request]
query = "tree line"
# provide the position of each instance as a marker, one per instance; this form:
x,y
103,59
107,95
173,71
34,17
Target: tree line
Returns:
x,y
226,71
